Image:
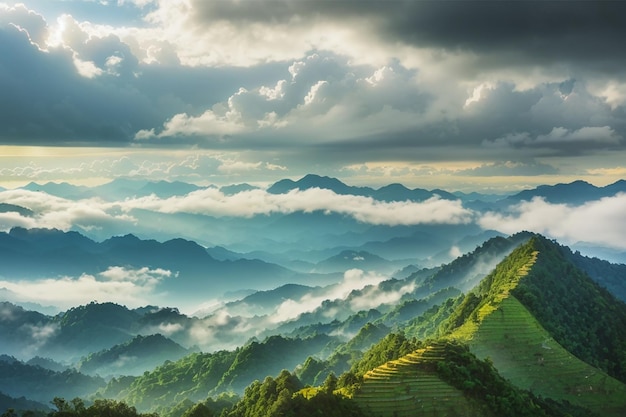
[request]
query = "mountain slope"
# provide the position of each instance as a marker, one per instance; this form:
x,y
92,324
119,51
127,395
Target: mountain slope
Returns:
x,y
18,379
409,385
446,379
134,357
198,374
537,317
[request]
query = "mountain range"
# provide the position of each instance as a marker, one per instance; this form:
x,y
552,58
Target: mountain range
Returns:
x,y
576,192
524,302
299,239
313,312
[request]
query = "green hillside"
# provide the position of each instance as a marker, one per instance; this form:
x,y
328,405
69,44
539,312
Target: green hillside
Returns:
x,y
526,354
410,385
446,379
505,320
198,375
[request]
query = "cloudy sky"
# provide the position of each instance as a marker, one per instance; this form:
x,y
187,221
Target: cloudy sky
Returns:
x,y
489,95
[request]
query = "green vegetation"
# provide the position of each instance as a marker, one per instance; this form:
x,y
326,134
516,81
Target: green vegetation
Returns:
x,y
200,374
490,392
499,327
410,309
100,408
191,377
609,275
13,407
445,378
393,346
462,273
18,379
536,337
409,384
581,316
429,325
94,325
527,355
283,396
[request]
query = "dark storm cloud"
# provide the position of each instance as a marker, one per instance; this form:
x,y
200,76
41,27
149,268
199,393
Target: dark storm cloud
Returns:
x,y
548,28
344,82
542,31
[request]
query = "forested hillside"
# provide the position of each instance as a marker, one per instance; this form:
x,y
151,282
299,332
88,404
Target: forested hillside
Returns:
x,y
515,328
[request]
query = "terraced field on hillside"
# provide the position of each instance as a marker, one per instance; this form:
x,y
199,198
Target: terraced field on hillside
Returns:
x,y
409,386
525,353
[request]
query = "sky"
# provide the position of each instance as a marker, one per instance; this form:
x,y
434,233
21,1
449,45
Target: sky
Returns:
x,y
490,96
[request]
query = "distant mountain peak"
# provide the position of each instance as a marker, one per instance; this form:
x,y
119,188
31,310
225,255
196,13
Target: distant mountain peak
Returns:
x,y
391,192
312,181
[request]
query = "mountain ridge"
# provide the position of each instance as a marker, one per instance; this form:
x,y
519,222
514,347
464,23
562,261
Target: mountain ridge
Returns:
x,y
391,192
503,320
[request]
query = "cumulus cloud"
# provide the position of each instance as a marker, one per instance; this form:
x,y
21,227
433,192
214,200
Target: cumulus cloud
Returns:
x,y
130,287
338,83
324,89
601,222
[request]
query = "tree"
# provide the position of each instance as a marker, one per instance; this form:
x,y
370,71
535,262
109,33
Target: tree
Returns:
x,y
330,384
198,410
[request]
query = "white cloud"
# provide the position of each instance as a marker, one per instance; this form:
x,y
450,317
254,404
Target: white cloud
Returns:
x,y
58,213
327,97
140,276
373,297
133,288
601,222
208,123
211,201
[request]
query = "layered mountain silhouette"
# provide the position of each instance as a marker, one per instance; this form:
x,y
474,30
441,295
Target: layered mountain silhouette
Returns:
x,y
392,192
44,253
577,192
